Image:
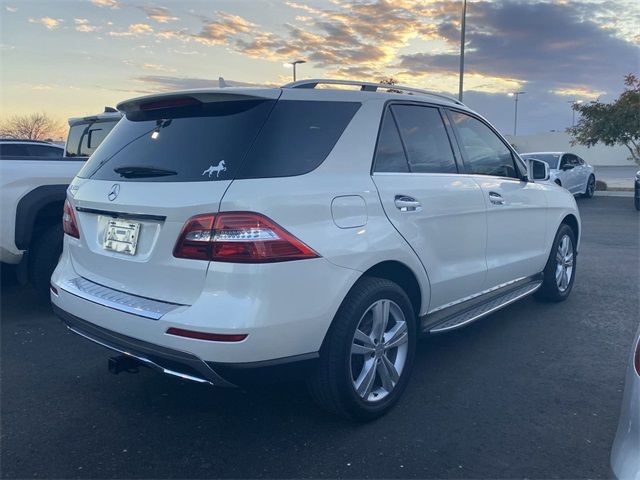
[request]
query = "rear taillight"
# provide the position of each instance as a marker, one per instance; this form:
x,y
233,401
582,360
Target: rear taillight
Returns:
x,y
69,221
238,237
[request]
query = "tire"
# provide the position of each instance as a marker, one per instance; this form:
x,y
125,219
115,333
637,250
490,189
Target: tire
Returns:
x,y
44,254
553,290
637,197
591,187
345,360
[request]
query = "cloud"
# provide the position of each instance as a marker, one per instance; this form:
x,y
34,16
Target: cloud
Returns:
x,y
106,3
220,31
517,41
169,83
48,22
158,14
10,9
159,68
133,30
83,25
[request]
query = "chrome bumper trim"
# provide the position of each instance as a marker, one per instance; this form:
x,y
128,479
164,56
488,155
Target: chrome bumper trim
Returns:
x,y
144,360
125,302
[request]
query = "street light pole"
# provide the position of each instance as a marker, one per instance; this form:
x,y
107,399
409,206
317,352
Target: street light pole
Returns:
x,y
463,25
294,63
573,110
515,116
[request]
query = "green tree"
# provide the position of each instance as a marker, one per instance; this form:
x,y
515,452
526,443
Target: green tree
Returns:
x,y
616,123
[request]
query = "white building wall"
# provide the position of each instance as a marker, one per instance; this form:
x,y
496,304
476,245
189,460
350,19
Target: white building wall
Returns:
x,y
599,154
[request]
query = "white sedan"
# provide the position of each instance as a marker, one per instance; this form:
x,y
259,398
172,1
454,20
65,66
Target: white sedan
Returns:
x,y
569,171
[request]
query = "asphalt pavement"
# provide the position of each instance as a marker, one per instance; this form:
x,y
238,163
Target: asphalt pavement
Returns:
x,y
531,391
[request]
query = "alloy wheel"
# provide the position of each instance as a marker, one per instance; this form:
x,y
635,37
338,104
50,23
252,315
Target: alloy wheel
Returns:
x,y
564,263
379,350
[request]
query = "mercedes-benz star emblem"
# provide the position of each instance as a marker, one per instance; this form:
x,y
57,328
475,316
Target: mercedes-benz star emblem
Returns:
x,y
113,193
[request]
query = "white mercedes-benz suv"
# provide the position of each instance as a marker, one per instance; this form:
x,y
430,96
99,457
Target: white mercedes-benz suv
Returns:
x,y
220,235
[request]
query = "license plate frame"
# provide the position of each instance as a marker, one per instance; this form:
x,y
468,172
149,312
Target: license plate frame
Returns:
x,y
121,236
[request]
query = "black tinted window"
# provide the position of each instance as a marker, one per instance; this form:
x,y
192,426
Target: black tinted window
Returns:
x,y
13,150
485,153
297,138
44,151
186,144
84,138
425,139
390,155
93,137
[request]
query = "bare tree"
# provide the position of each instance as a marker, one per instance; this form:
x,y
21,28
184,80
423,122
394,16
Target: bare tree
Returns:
x,y
33,126
390,81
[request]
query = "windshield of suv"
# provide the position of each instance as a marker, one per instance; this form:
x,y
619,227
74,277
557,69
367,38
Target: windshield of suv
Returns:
x,y
551,158
221,141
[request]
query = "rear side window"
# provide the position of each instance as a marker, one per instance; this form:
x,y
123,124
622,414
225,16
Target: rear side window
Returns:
x,y
13,150
425,139
390,155
45,151
297,138
485,153
205,142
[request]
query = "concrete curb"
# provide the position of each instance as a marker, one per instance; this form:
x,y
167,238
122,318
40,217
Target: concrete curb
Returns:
x,y
619,193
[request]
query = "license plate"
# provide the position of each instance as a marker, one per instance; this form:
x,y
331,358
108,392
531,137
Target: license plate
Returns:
x,y
121,236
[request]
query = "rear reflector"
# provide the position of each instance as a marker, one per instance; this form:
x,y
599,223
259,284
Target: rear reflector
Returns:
x,y
239,237
69,221
214,337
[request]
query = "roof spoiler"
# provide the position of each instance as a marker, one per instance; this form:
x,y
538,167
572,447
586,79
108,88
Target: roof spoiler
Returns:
x,y
226,94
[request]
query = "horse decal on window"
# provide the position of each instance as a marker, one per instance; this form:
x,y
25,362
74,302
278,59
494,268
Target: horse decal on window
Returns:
x,y
217,169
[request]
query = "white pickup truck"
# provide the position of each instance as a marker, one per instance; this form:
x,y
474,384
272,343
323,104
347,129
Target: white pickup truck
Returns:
x,y
34,177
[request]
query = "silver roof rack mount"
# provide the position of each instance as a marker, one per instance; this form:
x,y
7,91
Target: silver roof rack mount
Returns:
x,y
369,87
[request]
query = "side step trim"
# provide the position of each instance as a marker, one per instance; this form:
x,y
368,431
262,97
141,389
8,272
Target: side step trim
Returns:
x,y
475,313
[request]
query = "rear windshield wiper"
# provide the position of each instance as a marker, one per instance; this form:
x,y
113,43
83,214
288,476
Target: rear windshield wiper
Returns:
x,y
137,171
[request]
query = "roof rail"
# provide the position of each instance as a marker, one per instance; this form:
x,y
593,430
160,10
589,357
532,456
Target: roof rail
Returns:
x,y
369,87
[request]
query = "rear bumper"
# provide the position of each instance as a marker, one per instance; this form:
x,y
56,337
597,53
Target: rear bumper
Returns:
x,y
187,366
162,359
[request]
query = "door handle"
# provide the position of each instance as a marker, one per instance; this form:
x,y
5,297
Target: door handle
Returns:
x,y
496,198
405,203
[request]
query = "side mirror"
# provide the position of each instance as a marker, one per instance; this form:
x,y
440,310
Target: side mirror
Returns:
x,y
567,166
537,170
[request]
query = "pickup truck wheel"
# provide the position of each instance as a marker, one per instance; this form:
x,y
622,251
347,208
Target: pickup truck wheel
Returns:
x,y
44,254
367,357
561,267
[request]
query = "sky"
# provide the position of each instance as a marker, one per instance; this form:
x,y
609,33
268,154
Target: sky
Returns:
x,y
73,57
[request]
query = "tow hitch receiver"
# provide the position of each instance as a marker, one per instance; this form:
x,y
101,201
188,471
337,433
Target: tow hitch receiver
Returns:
x,y
123,363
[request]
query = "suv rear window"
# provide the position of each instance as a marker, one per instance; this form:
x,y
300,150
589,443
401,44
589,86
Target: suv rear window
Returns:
x,y
221,141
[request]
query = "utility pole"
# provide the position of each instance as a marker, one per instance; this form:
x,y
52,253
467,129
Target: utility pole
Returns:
x,y
515,116
463,25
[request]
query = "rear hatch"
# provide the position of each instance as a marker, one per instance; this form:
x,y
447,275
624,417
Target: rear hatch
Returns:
x,y
170,158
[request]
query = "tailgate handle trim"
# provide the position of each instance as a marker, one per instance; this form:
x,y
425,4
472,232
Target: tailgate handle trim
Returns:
x,y
133,216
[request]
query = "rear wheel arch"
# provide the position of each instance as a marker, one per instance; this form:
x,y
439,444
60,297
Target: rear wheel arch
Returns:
x,y
394,271
41,207
402,275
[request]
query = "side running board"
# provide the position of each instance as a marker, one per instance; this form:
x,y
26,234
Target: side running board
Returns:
x,y
460,319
